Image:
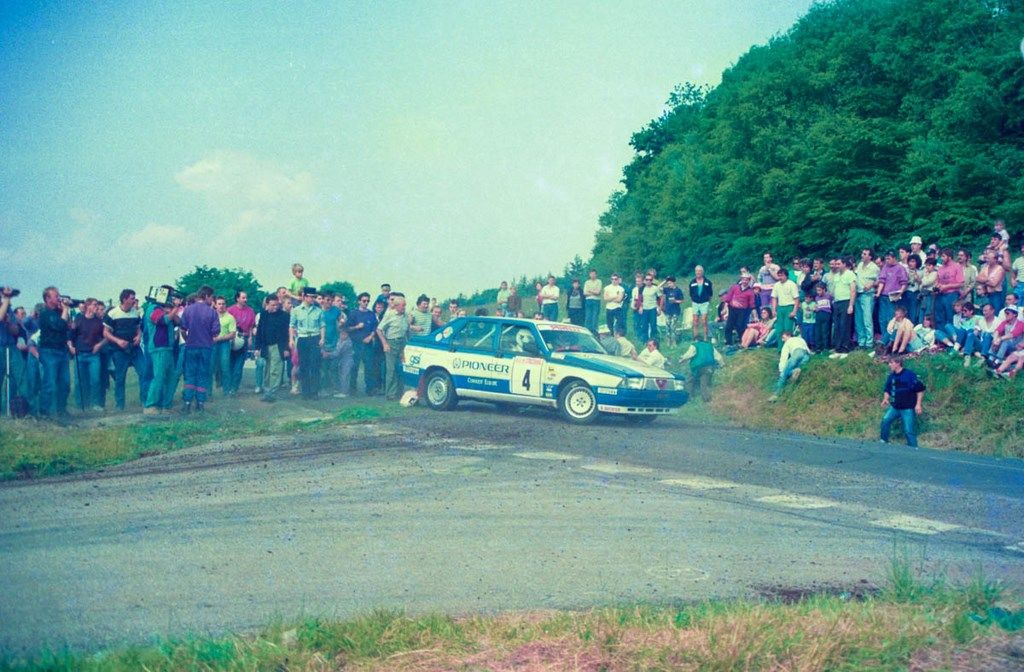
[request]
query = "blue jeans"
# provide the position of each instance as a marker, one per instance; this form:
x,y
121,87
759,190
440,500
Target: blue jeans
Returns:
x,y
56,383
638,322
648,325
864,324
997,300
796,360
161,388
912,302
364,356
550,311
807,331
591,309
222,364
907,416
87,372
198,373
886,311
238,358
132,357
944,309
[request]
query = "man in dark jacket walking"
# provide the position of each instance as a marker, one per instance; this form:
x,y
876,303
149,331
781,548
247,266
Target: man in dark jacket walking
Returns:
x,y
902,397
272,342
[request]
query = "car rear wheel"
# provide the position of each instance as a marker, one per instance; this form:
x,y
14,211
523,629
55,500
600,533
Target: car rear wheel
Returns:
x,y
577,403
440,391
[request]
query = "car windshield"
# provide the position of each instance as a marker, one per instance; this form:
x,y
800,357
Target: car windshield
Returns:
x,y
559,340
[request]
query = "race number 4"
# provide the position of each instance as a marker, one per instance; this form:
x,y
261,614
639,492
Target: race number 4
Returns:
x,y
526,376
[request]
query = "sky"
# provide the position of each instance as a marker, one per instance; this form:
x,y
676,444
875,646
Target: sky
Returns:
x,y
439,146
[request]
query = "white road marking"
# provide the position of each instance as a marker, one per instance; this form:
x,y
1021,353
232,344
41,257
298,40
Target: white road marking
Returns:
x,y
478,447
1016,548
613,469
700,483
546,455
797,501
906,523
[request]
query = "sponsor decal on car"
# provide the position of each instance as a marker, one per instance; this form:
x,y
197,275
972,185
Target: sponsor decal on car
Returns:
x,y
472,365
611,391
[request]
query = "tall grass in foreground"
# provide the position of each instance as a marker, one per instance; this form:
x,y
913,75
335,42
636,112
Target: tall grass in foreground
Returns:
x,y
909,618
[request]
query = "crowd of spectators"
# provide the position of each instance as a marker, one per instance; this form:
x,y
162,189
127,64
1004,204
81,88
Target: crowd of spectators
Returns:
x,y
913,299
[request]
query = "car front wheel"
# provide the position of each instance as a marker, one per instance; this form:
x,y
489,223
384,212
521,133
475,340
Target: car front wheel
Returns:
x,y
440,391
577,403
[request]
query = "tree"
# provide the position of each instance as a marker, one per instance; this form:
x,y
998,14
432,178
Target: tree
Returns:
x,y
225,282
342,287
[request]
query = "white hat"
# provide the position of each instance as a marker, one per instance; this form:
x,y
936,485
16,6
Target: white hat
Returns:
x,y
916,239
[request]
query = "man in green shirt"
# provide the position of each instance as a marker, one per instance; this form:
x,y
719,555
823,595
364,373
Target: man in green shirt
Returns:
x,y
703,359
307,333
844,290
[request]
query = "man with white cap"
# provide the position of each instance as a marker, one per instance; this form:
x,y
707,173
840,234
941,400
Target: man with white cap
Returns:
x,y
915,248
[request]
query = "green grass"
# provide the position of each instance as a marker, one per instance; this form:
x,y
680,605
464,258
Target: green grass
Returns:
x,y
29,448
909,617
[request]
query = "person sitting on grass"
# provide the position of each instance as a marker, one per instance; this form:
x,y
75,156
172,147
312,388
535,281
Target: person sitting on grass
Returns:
x,y
651,356
626,347
1013,363
900,331
1007,336
926,333
795,353
758,330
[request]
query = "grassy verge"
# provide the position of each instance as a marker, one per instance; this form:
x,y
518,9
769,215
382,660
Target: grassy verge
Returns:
x,y
964,409
910,621
29,448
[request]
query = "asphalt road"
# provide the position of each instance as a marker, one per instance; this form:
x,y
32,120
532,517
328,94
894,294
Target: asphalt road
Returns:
x,y
478,510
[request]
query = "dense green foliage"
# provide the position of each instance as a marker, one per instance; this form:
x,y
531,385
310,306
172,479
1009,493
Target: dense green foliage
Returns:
x,y
225,282
868,121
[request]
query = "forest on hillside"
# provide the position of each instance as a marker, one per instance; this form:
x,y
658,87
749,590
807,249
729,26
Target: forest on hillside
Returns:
x,y
867,121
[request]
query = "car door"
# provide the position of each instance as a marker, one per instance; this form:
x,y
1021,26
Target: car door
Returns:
x,y
475,365
519,346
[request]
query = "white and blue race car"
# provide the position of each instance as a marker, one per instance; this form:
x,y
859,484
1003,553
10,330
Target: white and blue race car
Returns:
x,y
518,361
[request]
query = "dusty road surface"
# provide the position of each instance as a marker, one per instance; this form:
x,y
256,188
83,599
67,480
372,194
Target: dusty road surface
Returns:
x,y
478,510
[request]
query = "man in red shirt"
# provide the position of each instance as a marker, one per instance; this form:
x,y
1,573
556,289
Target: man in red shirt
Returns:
x,y
740,298
245,319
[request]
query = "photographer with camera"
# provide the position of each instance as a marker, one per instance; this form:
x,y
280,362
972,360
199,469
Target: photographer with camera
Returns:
x,y
54,360
159,328
123,328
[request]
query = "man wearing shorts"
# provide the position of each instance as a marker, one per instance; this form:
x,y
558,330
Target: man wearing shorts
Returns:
x,y
700,296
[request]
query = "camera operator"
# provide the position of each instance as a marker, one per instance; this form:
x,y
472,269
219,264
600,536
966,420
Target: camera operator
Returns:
x,y
123,328
54,332
160,330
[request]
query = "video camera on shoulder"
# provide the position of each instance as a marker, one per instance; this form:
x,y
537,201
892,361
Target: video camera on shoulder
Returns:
x,y
10,292
163,295
69,302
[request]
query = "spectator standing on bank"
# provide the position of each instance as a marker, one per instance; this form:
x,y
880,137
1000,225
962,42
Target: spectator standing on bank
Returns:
x,y
700,300
592,289
123,328
867,272
845,289
245,320
514,305
574,303
306,332
223,342
420,321
991,279
949,283
614,296
503,294
902,397
159,330
766,278
703,360
201,324
272,342
362,328
54,334
785,294
672,307
549,296
912,295
87,334
650,297
740,299
891,285
1017,275
393,331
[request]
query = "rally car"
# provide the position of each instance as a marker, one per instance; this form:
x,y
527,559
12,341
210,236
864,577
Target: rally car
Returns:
x,y
518,361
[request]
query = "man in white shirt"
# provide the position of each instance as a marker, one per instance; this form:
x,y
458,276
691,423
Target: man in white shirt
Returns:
x,y
651,356
648,313
591,301
614,295
549,295
785,295
863,317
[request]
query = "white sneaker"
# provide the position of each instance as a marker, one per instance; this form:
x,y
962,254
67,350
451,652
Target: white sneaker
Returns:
x,y
259,390
295,388
341,395
795,375
834,355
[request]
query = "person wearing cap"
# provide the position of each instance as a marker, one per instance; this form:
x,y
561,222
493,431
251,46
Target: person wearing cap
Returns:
x,y
903,398
1008,335
306,332
915,249
608,340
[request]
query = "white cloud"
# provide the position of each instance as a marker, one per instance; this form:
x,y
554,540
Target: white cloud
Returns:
x,y
155,236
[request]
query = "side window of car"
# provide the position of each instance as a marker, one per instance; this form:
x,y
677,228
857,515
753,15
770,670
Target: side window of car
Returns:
x,y
518,339
475,336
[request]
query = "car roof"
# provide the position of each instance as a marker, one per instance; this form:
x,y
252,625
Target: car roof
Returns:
x,y
525,321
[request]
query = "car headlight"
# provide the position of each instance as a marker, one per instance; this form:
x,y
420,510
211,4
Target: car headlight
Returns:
x,y
679,384
632,383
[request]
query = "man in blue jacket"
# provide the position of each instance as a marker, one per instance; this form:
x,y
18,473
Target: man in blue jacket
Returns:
x,y
902,397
